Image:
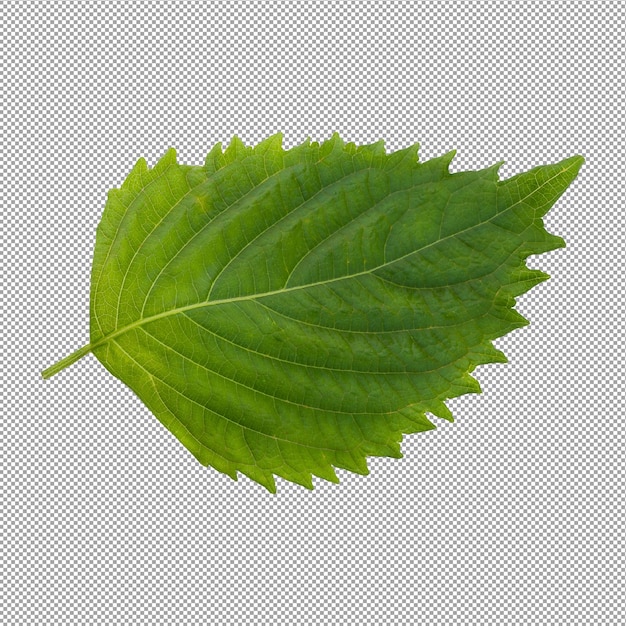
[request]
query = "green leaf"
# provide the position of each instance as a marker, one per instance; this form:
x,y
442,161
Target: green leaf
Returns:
x,y
288,312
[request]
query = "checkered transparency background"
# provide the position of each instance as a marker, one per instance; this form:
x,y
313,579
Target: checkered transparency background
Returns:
x,y
513,514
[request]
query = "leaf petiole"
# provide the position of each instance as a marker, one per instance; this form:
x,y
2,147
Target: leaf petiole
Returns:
x,y
66,361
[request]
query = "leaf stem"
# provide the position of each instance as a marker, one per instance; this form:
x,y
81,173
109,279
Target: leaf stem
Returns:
x,y
66,361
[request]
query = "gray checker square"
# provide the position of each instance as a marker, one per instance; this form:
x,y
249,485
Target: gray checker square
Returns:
x,y
512,515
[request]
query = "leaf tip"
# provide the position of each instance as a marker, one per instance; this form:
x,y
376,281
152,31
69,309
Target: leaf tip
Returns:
x,y
555,242
264,479
377,147
168,158
273,142
472,384
215,152
442,411
495,169
326,472
235,149
442,162
334,144
573,163
134,180
498,356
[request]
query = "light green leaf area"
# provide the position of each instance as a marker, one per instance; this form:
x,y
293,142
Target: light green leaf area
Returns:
x,y
288,312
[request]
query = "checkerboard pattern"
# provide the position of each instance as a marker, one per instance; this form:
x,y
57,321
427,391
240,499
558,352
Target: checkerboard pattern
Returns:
x,y
514,514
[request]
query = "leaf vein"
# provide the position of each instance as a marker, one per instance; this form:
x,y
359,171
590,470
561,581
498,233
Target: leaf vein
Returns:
x,y
274,397
220,415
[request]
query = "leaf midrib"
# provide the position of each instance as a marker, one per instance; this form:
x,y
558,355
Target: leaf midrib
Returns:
x,y
250,297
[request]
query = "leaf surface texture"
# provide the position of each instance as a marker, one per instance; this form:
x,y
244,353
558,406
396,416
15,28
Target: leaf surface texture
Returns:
x,y
288,312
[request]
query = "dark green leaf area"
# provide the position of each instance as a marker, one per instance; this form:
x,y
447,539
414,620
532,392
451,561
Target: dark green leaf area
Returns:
x,y
288,312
